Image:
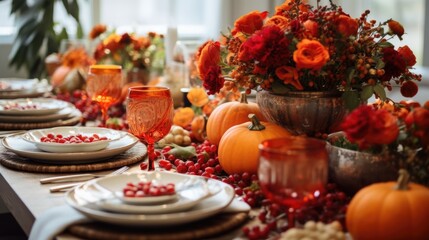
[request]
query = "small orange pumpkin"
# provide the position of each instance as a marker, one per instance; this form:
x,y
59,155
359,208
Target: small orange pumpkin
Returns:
x,y
230,114
390,210
198,128
238,149
183,116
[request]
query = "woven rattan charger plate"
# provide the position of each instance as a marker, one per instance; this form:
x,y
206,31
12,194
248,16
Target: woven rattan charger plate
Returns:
x,y
203,229
133,155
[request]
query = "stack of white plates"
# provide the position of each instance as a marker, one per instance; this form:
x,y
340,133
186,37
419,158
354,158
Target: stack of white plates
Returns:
x,y
35,110
11,88
29,145
196,198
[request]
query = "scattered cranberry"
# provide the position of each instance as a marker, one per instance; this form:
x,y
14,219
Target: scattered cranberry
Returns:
x,y
147,189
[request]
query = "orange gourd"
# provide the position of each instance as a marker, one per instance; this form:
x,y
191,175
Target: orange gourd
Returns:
x,y
238,149
390,210
230,114
183,116
198,128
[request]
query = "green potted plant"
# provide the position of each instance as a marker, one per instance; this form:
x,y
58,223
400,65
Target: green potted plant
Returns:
x,y
36,36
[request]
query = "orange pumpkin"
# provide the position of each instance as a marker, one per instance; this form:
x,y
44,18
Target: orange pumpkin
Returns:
x,y
198,128
238,149
230,114
183,116
390,211
197,96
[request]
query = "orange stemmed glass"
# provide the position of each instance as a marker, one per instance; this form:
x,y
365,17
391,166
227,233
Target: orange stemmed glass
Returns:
x,y
292,171
150,116
104,86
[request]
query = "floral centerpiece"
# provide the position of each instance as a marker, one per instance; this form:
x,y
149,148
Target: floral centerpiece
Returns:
x,y
307,48
128,50
398,133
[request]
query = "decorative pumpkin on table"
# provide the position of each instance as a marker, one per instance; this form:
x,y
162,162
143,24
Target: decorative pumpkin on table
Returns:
x,y
390,210
230,114
238,148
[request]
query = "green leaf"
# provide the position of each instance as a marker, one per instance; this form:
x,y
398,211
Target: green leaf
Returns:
x,y
367,92
381,93
18,5
385,44
79,31
351,99
183,152
279,88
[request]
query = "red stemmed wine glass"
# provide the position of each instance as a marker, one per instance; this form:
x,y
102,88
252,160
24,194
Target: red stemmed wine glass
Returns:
x,y
150,116
292,171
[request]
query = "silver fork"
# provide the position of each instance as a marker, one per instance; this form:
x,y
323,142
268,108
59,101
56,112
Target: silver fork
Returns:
x,y
90,176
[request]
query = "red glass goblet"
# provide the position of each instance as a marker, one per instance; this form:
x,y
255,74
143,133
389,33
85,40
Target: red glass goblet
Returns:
x,y
150,116
292,171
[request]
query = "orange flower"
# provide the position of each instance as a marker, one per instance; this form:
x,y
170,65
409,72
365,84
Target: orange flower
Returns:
x,y
396,28
312,27
287,5
197,96
409,89
278,20
209,56
289,75
347,25
384,129
97,30
250,22
310,54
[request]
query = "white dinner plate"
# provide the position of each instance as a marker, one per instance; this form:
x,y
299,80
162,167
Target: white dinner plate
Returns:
x,y
43,106
208,207
63,113
107,192
35,137
16,84
30,91
20,147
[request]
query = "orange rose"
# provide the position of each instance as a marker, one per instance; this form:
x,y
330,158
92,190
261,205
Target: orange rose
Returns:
x,y
208,56
278,20
287,5
97,30
408,55
250,22
347,26
396,28
289,75
312,27
310,54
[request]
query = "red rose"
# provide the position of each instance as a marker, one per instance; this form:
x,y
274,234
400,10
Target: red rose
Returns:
x,y
395,63
408,55
396,28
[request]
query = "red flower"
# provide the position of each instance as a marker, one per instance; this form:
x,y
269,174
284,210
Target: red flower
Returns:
x,y
409,89
208,56
347,26
396,28
408,55
395,63
367,126
213,81
268,47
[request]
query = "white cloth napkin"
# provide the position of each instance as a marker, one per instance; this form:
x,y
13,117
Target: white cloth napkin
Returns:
x,y
57,219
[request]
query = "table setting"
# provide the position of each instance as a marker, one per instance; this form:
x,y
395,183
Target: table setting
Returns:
x,y
310,158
